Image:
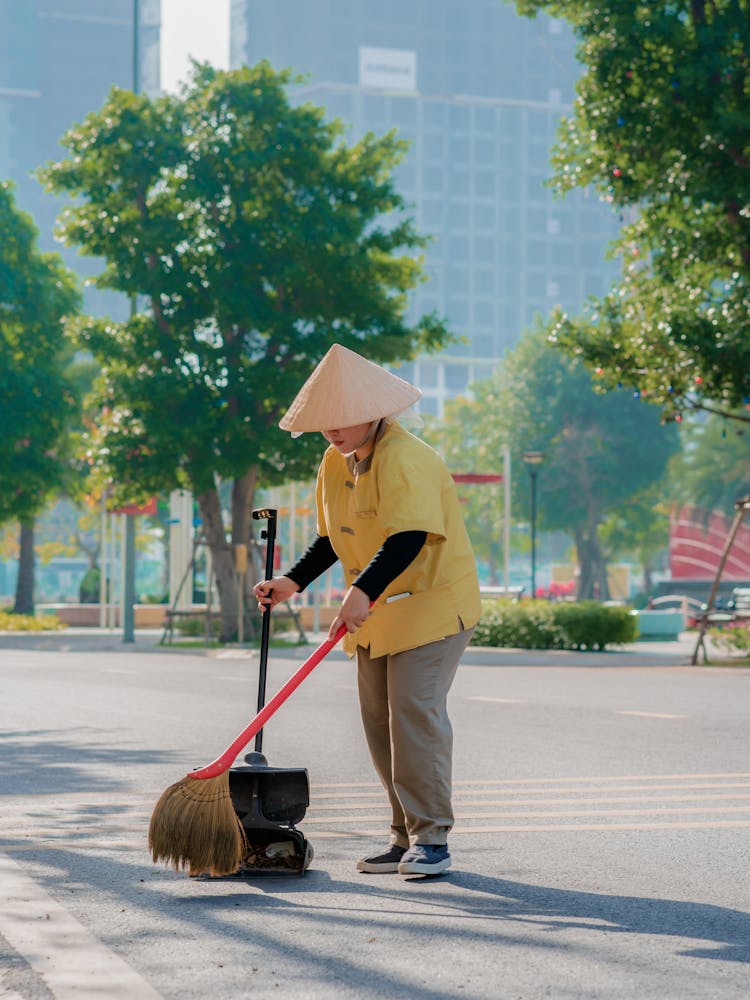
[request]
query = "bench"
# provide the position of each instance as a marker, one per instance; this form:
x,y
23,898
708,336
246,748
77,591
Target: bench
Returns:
x,y
737,610
251,622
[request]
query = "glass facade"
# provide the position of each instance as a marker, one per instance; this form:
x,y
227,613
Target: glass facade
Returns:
x,y
478,91
58,60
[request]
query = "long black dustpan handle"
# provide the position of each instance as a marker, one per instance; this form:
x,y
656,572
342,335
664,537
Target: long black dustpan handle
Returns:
x,y
269,533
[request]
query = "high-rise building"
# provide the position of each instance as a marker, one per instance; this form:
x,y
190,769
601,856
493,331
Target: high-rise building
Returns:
x,y
58,60
478,91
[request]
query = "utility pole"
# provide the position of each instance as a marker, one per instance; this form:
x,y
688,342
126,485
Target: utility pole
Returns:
x,y
128,595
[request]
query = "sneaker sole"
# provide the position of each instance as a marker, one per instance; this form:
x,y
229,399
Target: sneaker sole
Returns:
x,y
390,868
422,868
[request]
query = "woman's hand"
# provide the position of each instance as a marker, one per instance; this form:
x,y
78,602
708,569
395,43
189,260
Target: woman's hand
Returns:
x,y
269,593
354,612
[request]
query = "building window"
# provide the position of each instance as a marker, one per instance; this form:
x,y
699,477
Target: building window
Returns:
x,y
458,312
430,405
456,378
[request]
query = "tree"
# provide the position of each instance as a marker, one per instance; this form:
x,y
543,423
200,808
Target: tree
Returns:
x,y
37,293
600,450
640,528
458,439
713,469
254,238
661,127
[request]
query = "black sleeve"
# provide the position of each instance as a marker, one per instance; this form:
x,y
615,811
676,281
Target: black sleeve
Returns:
x,y
391,559
316,560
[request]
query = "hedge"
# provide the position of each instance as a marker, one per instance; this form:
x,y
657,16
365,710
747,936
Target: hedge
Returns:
x,y
584,625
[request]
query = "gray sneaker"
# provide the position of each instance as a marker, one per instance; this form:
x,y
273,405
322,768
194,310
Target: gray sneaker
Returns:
x,y
425,859
382,863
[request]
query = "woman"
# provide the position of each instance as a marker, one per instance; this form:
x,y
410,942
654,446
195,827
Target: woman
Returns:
x,y
387,508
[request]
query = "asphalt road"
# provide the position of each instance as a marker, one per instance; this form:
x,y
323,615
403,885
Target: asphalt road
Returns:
x,y
601,847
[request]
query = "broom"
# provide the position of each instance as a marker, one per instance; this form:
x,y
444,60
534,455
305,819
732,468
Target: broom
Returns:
x,y
194,825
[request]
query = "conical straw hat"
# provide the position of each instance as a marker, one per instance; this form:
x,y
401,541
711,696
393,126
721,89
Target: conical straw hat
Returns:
x,y
344,390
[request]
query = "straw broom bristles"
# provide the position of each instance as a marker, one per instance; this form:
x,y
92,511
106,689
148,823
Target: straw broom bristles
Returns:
x,y
194,826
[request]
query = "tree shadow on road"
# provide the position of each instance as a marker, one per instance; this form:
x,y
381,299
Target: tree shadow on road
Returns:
x,y
441,912
467,896
558,909
62,761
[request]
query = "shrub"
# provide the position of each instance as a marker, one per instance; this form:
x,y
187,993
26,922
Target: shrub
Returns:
x,y
523,624
543,625
732,639
29,623
590,625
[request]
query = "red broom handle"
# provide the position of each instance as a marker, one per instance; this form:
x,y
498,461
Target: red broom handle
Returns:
x,y
225,761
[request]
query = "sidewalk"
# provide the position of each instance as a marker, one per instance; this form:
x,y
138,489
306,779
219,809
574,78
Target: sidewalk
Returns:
x,y
670,653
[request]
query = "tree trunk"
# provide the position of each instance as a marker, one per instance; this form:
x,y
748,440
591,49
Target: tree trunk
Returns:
x,y
592,582
24,604
222,562
222,552
647,578
243,492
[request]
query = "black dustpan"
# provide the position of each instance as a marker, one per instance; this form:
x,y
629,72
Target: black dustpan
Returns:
x,y
269,801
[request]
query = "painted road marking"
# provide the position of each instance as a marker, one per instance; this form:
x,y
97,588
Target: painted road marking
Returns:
x,y
462,803
552,828
570,779
71,961
653,715
499,701
643,802
543,814
691,801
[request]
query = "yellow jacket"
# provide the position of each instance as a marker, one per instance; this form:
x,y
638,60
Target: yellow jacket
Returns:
x,y
406,487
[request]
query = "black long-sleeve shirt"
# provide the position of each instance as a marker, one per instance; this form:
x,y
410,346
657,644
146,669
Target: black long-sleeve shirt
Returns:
x,y
394,555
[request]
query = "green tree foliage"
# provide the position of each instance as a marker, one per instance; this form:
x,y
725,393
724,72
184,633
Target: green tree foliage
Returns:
x,y
38,404
640,529
600,450
254,238
661,127
459,441
713,469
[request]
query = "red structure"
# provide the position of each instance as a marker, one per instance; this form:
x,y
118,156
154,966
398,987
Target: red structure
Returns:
x,y
476,477
697,538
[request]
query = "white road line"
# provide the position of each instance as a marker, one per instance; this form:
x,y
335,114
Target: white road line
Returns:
x,y
499,701
73,963
652,715
462,803
602,779
726,824
545,813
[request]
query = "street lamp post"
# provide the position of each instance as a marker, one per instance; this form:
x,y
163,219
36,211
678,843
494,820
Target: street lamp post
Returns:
x,y
533,459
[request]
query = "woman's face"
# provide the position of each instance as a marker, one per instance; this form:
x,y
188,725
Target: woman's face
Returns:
x,y
347,439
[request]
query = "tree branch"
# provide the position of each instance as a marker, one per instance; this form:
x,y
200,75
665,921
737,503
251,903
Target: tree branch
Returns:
x,y
728,414
698,12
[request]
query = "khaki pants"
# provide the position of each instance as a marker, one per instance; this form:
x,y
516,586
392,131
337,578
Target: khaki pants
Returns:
x,y
403,699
